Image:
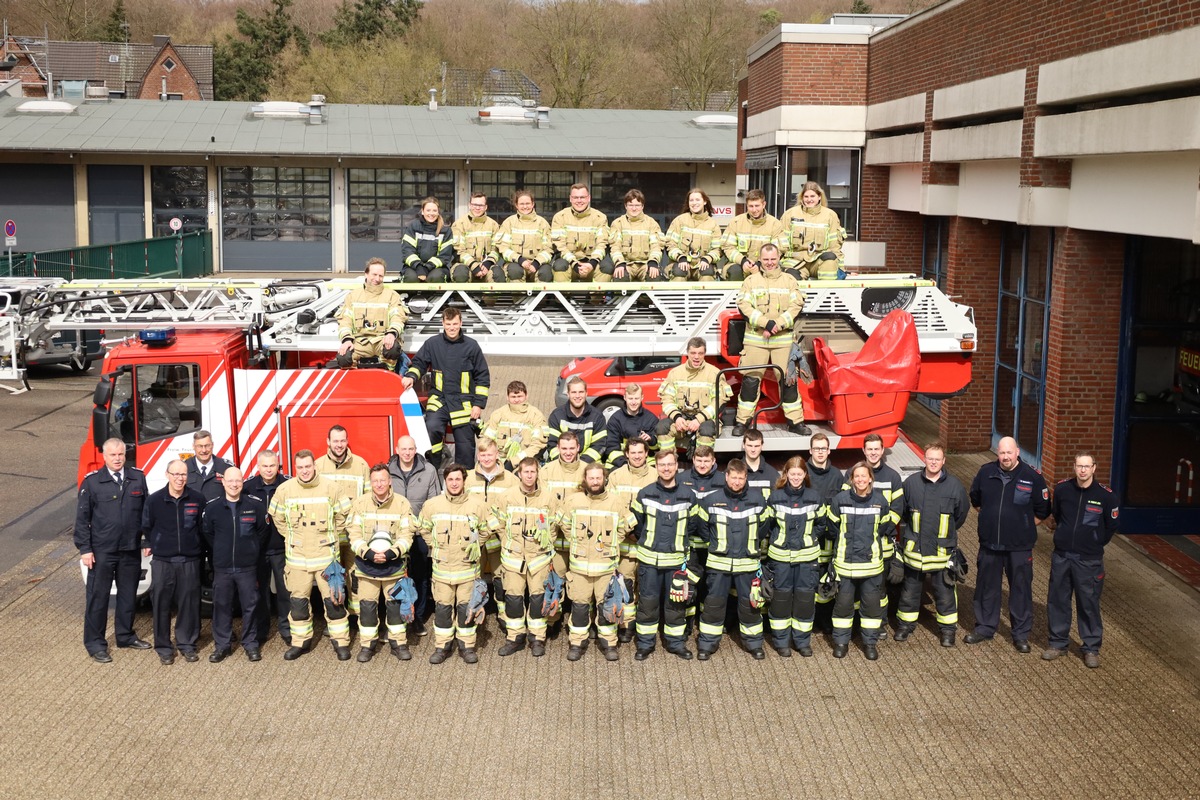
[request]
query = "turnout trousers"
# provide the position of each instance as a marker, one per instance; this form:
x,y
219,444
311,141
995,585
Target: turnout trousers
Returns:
x,y
795,602
654,606
867,591
712,618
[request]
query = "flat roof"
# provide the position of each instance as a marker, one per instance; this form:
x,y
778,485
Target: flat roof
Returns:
x,y
451,132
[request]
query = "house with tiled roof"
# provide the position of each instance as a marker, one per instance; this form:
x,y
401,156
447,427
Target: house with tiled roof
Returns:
x,y
116,70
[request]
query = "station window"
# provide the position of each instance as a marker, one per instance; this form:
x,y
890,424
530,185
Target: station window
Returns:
x,y
666,193
179,192
838,173
384,201
551,189
266,204
1018,407
1161,397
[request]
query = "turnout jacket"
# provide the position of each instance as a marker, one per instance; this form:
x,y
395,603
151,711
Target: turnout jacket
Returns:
x,y
662,519
522,237
518,430
579,236
623,427
693,393
590,425
429,243
734,525
744,237
369,313
108,517
393,516
702,485
492,491
692,237
887,481
593,526
1085,519
527,529
807,233
762,478
933,511
635,239
235,532
352,473
767,296
1009,505
312,518
861,525
475,239
257,487
455,528
172,524
461,378
797,526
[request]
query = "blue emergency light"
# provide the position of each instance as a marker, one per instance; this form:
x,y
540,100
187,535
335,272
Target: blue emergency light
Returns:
x,y
157,338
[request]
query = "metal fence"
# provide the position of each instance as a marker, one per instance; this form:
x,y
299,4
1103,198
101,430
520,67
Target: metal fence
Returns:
x,y
187,255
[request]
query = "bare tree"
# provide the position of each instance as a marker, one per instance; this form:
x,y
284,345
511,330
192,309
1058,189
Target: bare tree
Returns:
x,y
574,47
704,45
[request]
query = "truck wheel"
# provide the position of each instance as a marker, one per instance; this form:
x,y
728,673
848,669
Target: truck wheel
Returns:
x,y
609,406
80,364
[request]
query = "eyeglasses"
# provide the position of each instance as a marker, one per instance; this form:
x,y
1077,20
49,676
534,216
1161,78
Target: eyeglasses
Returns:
x,y
176,474
819,449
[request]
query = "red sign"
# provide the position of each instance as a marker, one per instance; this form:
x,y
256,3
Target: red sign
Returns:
x,y
10,228
1189,361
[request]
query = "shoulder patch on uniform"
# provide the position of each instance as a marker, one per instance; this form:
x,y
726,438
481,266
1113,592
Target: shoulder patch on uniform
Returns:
x,y
1114,513
1045,493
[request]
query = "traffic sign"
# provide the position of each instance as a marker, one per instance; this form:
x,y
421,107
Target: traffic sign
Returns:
x,y
176,223
10,228
10,241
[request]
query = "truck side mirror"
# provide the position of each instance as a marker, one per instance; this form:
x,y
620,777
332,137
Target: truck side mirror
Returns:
x,y
103,393
100,425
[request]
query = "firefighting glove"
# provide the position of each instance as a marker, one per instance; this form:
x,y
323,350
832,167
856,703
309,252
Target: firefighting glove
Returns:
x,y
335,574
956,568
473,552
747,264
681,588
895,571
761,589
394,352
545,537
770,327
479,598
345,360
553,589
404,592
827,587
612,609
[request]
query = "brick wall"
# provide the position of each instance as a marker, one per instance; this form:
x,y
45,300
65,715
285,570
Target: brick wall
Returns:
x,y
809,74
979,38
179,80
1082,349
972,275
903,231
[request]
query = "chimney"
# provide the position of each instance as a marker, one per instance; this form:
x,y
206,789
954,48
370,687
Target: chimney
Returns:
x,y
316,109
433,99
161,40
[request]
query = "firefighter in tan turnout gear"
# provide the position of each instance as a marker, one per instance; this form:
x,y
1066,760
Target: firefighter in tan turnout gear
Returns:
x,y
747,234
579,234
691,401
635,242
771,301
526,551
813,234
594,522
381,532
518,428
310,511
455,526
353,474
371,320
624,483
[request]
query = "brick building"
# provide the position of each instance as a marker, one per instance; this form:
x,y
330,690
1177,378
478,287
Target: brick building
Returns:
x,y
1040,160
117,70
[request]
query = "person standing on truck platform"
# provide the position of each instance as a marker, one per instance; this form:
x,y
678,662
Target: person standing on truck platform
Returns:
x,y
1085,519
635,242
631,422
477,259
747,234
270,564
427,247
417,480
519,429
524,242
692,396
371,320
311,511
171,522
771,302
578,415
935,508
1012,500
234,528
460,387
108,533
694,241
579,234
381,528
813,234
205,470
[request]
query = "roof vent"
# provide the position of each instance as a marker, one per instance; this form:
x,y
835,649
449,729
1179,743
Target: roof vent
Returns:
x,y
285,109
715,121
540,116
